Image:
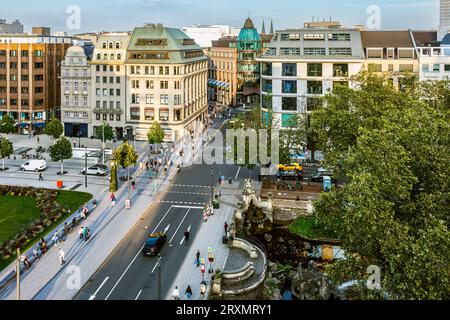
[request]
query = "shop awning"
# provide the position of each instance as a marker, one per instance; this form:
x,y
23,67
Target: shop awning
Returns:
x,y
40,125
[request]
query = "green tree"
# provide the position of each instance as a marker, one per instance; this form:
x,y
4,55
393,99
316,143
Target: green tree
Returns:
x,y
6,149
293,138
54,129
113,185
6,124
60,151
108,132
156,134
126,157
392,148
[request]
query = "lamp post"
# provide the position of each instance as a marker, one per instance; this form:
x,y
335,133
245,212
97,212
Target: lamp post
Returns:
x,y
212,184
103,144
18,275
85,170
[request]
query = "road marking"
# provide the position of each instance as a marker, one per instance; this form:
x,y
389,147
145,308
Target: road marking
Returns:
x,y
135,257
188,229
156,265
137,297
187,207
182,203
237,174
179,226
95,293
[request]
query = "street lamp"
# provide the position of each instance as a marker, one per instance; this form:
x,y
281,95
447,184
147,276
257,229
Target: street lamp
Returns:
x,y
103,144
212,184
85,170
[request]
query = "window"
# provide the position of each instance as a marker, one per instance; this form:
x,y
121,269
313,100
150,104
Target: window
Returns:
x,y
104,45
164,84
290,51
289,86
314,36
271,51
111,80
164,114
117,68
135,98
436,67
117,80
67,114
38,53
405,53
408,68
117,104
75,84
97,68
24,65
24,90
98,92
24,53
164,99
340,51
288,121
425,67
340,70
135,114
289,103
97,116
39,65
85,87
14,89
111,117
390,53
149,84
289,70
290,37
266,68
135,84
374,53
105,92
177,114
167,69
340,83
149,114
117,117
314,87
75,101
149,99
13,77
13,65
267,86
314,51
447,68
314,69
177,85
390,67
339,36
118,92
85,115
177,99
97,104
117,45
39,77
111,92
313,103
2,53
85,102
267,101
152,70
105,117
97,79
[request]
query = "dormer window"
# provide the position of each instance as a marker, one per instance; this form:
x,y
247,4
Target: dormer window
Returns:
x,y
151,42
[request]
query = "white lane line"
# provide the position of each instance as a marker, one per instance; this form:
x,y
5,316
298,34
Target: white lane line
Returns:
x,y
189,229
156,265
187,207
95,293
179,226
237,173
137,297
137,254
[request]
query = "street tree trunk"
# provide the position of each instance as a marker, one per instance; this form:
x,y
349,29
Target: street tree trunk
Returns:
x,y
62,167
129,183
3,164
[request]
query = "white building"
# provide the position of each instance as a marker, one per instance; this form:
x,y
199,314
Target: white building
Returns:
x,y
434,63
109,89
205,35
302,65
76,93
444,18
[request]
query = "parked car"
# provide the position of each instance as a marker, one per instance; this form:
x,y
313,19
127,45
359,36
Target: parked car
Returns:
x,y
97,170
318,175
154,244
34,165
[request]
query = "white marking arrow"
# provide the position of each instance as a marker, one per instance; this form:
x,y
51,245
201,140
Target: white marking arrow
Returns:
x,y
95,293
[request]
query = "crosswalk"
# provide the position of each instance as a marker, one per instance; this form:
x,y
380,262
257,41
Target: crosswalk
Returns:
x,y
191,193
189,186
182,203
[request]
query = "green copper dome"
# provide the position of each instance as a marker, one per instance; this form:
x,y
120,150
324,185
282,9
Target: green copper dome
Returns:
x,y
249,32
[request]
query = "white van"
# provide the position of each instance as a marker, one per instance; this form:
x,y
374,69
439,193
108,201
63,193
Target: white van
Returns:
x,y
34,165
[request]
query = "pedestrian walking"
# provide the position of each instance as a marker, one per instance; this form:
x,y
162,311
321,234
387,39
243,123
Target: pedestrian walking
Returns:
x,y
38,139
61,256
83,214
81,233
66,229
188,292
36,253
225,226
40,177
85,211
85,233
56,238
203,289
197,256
176,294
133,185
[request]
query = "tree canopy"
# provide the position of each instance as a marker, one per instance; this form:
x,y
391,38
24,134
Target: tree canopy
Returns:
x,y
6,124
108,132
392,147
156,134
6,149
60,151
125,155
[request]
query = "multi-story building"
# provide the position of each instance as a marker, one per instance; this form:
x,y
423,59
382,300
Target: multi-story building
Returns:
x,y
167,75
444,18
205,35
109,87
223,80
76,92
390,52
301,65
14,27
30,89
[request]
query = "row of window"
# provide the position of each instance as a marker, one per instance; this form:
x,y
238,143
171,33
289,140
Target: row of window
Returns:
x,y
313,69
23,90
150,84
296,51
24,77
105,79
104,68
107,92
75,73
293,103
76,114
224,65
378,67
112,56
435,67
98,104
149,114
98,117
315,37
24,102
111,45
76,101
23,53
76,86
150,99
290,86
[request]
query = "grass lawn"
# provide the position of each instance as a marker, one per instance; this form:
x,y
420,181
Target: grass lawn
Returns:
x,y
306,226
17,212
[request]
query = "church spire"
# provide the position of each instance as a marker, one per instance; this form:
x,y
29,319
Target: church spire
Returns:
x,y
263,31
271,27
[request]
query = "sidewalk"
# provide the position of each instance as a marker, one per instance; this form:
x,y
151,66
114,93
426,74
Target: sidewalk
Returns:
x,y
209,235
48,280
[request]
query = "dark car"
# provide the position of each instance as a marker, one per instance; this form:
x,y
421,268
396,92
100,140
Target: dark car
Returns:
x,y
318,175
154,244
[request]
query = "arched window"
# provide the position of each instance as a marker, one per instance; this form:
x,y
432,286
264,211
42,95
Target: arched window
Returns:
x,y
110,45
104,45
117,45
119,56
111,57
99,56
105,57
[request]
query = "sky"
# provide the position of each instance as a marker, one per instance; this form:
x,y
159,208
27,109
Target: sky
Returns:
x,y
124,15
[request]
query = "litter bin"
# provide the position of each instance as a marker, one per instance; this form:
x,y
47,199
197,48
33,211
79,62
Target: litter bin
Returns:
x,y
59,184
230,180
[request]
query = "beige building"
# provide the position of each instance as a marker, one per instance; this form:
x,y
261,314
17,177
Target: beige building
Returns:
x,y
167,74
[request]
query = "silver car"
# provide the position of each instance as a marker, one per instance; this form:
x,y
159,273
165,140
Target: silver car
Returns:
x,y
96,170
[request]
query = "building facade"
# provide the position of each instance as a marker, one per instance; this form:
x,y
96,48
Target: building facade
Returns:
x,y
30,87
167,74
76,112
302,65
444,18
109,83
